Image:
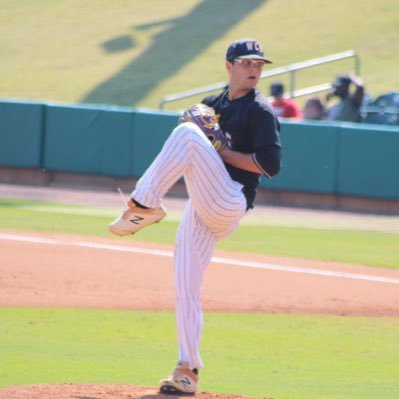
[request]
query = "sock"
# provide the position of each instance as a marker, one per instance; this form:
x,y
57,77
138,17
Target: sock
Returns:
x,y
138,204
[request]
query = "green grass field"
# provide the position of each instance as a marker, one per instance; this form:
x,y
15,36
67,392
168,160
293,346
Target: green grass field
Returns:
x,y
134,53
279,356
361,247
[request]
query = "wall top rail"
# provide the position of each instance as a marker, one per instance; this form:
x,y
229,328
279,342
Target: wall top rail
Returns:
x,y
290,69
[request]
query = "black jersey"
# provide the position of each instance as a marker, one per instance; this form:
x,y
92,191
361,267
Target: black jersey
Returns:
x,y
251,127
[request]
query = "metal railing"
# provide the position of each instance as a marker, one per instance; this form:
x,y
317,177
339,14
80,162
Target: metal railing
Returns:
x,y
291,69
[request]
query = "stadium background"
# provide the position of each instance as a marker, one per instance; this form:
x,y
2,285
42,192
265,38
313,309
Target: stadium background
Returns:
x,y
132,53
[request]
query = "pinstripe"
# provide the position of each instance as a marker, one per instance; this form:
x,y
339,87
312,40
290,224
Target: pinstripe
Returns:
x,y
181,285
190,263
212,185
214,209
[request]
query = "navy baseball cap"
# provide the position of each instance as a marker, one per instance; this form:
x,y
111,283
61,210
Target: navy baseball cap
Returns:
x,y
246,48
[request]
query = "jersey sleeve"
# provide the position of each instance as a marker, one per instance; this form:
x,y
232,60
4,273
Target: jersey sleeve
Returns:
x,y
266,141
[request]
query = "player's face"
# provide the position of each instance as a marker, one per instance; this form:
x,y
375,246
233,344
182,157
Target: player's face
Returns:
x,y
245,73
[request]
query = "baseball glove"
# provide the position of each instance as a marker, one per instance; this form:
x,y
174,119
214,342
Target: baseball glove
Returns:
x,y
204,117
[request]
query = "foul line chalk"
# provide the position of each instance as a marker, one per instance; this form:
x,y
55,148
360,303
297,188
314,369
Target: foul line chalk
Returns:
x,y
226,261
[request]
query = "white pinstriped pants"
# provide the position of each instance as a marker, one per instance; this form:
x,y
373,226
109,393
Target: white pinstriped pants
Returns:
x,y
213,211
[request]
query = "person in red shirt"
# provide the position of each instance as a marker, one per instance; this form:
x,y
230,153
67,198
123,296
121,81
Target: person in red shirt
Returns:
x,y
283,107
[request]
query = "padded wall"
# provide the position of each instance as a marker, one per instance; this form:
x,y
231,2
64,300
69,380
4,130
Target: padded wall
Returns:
x,y
21,128
318,157
89,140
310,156
151,129
369,162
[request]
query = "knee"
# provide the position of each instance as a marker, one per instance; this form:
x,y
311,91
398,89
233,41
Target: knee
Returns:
x,y
188,131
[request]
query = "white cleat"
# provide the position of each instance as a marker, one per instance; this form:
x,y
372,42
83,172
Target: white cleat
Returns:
x,y
135,218
182,380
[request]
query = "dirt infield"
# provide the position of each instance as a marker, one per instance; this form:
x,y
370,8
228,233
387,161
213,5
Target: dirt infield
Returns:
x,y
43,270
61,273
87,391
68,271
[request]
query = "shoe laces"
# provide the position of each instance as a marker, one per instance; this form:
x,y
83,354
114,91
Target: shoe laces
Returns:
x,y
124,199
181,371
178,372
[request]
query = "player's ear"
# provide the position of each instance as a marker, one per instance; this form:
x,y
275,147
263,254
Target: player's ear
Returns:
x,y
229,66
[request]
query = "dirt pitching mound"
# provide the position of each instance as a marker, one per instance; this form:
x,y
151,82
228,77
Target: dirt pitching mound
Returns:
x,y
89,391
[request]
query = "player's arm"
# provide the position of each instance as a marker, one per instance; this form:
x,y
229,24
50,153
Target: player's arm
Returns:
x,y
240,160
266,161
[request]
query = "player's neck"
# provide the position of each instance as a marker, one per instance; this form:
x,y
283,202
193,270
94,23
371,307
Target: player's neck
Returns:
x,y
237,92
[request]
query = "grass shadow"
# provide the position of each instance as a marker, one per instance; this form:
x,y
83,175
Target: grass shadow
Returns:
x,y
182,40
12,203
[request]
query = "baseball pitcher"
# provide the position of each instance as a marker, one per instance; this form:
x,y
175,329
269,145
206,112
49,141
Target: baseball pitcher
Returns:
x,y
221,147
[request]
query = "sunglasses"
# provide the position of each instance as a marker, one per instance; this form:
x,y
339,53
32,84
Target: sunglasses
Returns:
x,y
248,63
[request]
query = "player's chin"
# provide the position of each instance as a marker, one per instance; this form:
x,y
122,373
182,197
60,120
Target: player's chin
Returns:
x,y
250,83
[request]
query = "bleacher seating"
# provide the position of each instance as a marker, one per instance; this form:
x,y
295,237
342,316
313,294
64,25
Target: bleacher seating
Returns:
x,y
383,110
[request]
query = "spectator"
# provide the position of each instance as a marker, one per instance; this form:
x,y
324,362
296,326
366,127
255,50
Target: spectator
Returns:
x,y
283,107
314,109
348,106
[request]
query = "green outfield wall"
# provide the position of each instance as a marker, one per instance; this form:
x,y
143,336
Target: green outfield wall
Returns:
x,y
310,158
318,157
21,134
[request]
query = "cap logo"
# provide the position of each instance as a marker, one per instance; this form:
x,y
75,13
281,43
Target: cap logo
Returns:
x,y
246,48
254,46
